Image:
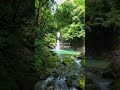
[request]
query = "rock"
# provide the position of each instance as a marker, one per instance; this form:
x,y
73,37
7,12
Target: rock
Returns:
x,y
79,88
72,81
69,82
73,76
50,88
67,60
108,75
113,70
80,57
89,84
50,84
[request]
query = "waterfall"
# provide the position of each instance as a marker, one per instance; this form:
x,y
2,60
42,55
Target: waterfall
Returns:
x,y
58,45
58,42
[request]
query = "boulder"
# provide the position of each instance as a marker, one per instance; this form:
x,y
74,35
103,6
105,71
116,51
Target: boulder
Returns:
x,y
113,70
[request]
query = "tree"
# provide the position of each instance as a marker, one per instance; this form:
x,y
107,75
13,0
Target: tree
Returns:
x,y
71,24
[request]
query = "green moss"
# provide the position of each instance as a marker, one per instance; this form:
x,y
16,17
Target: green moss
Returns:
x,y
83,62
73,76
116,84
52,61
82,83
89,83
68,60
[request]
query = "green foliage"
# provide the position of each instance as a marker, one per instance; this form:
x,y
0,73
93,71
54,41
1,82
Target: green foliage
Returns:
x,y
2,41
51,61
73,31
83,62
116,84
89,83
50,40
71,23
16,45
43,58
39,57
82,83
104,14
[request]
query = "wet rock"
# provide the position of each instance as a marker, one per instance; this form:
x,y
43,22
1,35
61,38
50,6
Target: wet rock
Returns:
x,y
113,70
108,74
50,88
73,76
80,57
76,85
90,85
69,83
56,75
78,88
50,84
72,81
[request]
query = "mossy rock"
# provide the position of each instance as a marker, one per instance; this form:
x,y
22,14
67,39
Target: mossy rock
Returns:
x,y
82,83
71,79
116,84
90,84
83,62
67,60
88,79
55,74
73,76
69,82
52,61
50,84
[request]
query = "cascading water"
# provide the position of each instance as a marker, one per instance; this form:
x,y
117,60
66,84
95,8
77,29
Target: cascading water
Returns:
x,y
58,42
63,80
60,77
58,45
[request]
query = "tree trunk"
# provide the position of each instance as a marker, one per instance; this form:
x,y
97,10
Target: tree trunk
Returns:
x,y
38,22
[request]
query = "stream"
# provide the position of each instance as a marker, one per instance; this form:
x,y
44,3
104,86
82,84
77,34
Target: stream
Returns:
x,y
60,77
94,71
101,83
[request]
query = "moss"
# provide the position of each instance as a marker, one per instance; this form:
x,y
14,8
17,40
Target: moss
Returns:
x,y
82,83
89,83
116,84
73,76
83,62
67,60
52,61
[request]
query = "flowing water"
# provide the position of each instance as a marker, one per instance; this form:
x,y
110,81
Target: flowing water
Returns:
x,y
58,45
63,77
101,83
61,82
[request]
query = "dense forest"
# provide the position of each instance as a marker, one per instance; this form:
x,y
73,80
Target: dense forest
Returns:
x,y
17,36
102,33
102,20
28,30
